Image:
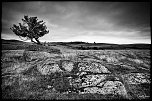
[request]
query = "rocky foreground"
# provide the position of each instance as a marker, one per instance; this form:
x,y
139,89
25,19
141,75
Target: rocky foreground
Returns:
x,y
76,75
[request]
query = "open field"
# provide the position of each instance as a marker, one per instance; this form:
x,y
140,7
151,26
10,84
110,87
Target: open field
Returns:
x,y
59,71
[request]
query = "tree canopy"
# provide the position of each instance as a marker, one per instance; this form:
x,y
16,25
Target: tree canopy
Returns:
x,y
30,29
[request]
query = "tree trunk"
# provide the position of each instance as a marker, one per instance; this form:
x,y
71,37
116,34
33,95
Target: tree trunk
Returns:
x,y
38,42
32,40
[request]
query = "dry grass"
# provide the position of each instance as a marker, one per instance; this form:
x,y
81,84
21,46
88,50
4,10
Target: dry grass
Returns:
x,y
29,83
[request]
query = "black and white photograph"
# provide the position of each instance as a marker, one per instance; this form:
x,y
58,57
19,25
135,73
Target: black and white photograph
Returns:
x,y
75,50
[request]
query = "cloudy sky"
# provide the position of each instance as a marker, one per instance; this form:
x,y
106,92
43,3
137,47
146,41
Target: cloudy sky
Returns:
x,y
103,22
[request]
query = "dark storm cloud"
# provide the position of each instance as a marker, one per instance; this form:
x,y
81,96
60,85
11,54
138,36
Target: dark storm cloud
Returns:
x,y
70,19
135,15
126,14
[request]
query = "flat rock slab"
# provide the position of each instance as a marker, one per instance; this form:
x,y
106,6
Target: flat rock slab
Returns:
x,y
67,65
110,87
94,67
92,80
49,68
137,78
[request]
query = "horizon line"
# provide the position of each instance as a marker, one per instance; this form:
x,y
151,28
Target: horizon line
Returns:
x,y
73,41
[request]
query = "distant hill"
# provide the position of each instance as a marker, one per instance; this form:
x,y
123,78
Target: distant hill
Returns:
x,y
136,46
102,46
10,41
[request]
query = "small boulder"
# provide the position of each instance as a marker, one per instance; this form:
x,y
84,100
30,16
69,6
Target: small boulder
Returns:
x,y
97,67
114,87
68,65
49,68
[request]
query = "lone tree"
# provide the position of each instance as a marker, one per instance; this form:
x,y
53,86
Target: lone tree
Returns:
x,y
30,29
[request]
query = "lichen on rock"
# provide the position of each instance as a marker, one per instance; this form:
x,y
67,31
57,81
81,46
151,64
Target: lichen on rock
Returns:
x,y
68,65
110,87
49,68
137,78
94,67
92,80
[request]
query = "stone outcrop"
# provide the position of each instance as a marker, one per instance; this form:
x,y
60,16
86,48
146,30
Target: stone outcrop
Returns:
x,y
109,87
137,78
49,68
92,80
94,67
87,74
67,65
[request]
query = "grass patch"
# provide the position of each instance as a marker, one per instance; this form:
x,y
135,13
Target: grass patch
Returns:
x,y
43,48
13,47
